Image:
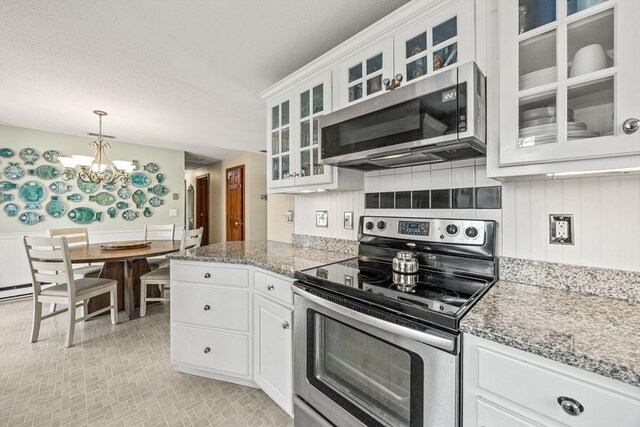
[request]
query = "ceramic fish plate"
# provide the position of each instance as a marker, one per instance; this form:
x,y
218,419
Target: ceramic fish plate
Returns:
x,y
13,171
5,197
11,209
55,207
139,198
130,215
87,187
45,172
147,212
122,205
59,187
6,153
51,156
75,197
29,155
156,201
30,217
159,190
151,167
6,185
139,179
124,193
103,199
84,215
32,193
112,212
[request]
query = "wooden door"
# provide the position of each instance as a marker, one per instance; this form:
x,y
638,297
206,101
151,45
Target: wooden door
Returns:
x,y
202,206
235,203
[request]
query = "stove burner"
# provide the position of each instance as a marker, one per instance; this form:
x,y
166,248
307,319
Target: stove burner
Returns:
x,y
372,276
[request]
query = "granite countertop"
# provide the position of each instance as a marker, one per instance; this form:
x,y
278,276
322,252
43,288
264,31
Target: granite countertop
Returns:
x,y
277,257
590,332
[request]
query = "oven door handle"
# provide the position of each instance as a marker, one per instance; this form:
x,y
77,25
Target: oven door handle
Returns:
x,y
431,337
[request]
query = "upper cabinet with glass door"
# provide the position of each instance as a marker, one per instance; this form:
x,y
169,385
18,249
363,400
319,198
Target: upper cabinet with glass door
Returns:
x,y
279,143
445,38
569,79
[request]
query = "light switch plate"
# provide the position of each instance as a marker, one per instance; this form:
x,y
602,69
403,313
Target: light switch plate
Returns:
x,y
348,220
175,196
173,212
290,215
322,219
561,229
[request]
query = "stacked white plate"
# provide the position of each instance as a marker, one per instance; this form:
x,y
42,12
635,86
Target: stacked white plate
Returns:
x,y
538,78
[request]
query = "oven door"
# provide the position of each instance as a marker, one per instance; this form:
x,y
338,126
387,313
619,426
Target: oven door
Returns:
x,y
359,370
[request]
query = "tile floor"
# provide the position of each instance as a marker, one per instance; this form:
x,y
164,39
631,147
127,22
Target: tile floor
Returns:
x,y
113,375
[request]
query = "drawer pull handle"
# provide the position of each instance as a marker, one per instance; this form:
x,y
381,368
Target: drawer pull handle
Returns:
x,y
207,307
570,406
270,287
207,275
207,350
285,325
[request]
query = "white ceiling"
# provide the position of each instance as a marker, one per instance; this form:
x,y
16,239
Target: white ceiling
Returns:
x,y
176,74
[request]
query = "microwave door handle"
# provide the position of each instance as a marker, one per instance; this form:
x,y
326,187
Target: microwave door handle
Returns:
x,y
430,337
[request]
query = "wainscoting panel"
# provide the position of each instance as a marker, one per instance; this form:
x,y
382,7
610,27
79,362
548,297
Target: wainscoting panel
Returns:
x,y
336,203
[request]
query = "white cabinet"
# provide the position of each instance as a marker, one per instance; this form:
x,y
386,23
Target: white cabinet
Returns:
x,y
503,386
273,344
568,80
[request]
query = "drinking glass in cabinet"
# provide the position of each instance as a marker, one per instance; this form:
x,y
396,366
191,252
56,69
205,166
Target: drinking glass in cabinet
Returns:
x,y
416,45
443,32
537,120
318,168
285,166
574,6
417,68
285,113
590,43
275,142
593,104
305,134
275,169
537,61
275,117
446,56
535,13
285,140
318,99
374,64
304,104
316,127
355,92
305,163
355,73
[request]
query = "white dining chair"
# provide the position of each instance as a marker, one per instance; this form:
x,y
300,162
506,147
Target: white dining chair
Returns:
x,y
50,264
159,232
161,276
77,236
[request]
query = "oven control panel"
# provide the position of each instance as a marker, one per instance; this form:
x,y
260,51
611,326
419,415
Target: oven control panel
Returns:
x,y
455,231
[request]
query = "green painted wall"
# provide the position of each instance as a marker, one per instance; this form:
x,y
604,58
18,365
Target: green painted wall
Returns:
x,y
171,163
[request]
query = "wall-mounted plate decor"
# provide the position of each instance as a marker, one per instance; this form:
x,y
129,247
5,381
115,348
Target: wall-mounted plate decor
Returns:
x,y
6,153
51,156
139,179
151,167
156,201
84,215
45,172
103,199
30,218
112,212
32,192
159,190
109,187
29,155
11,209
139,198
75,197
122,205
160,177
130,215
59,187
87,187
124,193
13,171
147,212
136,164
55,207
5,197
6,185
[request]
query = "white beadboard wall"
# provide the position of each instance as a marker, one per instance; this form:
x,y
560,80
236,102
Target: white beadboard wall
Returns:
x,y
15,265
606,212
336,203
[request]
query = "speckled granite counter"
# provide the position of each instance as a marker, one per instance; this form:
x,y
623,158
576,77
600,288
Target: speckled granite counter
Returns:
x,y
594,333
280,258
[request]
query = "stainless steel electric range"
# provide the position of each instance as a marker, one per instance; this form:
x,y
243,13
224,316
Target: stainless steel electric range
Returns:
x,y
376,339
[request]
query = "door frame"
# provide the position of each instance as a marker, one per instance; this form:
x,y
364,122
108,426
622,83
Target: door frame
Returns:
x,y
226,199
205,234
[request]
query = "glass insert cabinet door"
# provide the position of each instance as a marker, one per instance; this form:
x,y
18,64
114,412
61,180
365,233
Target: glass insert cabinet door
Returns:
x,y
279,144
569,79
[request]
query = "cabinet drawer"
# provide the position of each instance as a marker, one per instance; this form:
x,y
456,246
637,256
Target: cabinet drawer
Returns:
x,y
222,351
276,287
209,306
538,389
490,415
210,274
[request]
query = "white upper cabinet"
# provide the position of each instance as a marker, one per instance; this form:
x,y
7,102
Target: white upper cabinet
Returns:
x,y
569,79
279,153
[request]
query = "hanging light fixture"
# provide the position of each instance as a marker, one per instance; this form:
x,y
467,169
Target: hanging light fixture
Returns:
x,y
97,169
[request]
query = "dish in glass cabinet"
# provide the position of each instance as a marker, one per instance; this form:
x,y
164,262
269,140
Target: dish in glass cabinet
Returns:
x,y
542,113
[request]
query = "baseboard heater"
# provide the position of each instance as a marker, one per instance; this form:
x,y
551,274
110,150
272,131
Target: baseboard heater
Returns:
x,y
17,291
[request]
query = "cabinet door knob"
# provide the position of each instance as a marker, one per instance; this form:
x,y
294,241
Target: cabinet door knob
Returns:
x,y
570,406
270,287
207,307
285,325
630,126
207,275
207,350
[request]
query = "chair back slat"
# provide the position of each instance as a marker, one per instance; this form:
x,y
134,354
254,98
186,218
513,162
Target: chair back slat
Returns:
x,y
76,236
50,262
191,239
159,232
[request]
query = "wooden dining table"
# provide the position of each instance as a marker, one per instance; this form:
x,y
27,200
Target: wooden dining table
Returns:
x,y
124,265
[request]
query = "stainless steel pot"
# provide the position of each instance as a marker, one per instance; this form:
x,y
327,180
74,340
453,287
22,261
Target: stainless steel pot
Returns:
x,y
405,262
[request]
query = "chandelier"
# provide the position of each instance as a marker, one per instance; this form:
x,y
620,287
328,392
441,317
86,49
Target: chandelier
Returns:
x,y
97,169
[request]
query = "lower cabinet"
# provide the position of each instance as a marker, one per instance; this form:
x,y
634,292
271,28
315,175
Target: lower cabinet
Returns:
x,y
503,386
273,351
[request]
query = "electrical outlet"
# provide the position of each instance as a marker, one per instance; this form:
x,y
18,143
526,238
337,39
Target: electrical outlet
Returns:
x,y
322,219
348,220
561,229
289,215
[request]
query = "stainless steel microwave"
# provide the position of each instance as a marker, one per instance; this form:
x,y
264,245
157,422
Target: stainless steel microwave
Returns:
x,y
439,118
